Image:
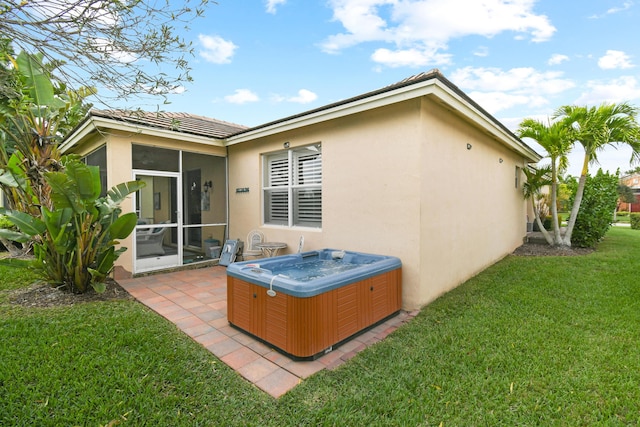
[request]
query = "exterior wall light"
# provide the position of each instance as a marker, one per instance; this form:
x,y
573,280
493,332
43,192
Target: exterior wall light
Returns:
x,y
501,160
469,146
286,145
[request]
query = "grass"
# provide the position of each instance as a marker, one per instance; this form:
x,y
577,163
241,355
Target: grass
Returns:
x,y
530,341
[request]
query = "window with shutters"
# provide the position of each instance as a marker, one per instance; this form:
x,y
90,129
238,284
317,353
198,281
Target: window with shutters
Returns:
x,y
292,187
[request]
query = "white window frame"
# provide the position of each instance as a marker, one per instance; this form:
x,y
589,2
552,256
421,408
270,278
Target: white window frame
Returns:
x,y
284,174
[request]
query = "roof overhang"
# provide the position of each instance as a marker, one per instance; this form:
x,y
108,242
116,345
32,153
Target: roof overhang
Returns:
x,y
436,87
95,124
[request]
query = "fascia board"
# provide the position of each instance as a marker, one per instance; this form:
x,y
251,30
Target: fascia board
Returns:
x,y
97,123
360,105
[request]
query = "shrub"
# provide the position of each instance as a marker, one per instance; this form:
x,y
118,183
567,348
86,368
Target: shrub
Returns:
x,y
5,222
596,210
75,242
635,221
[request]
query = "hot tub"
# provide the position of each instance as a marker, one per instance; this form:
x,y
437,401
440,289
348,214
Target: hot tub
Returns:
x,y
305,304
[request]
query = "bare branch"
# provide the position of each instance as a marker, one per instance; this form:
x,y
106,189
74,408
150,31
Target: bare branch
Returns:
x,y
127,48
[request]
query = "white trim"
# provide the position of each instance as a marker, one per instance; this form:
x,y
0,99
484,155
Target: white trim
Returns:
x,y
432,87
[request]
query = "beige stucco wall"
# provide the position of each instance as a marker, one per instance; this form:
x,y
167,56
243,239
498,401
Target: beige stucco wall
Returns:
x,y
472,213
398,180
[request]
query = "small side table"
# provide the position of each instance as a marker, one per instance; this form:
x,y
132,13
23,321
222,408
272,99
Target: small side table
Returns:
x,y
270,249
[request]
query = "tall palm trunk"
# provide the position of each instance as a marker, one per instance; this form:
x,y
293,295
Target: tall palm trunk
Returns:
x,y
544,231
576,202
557,237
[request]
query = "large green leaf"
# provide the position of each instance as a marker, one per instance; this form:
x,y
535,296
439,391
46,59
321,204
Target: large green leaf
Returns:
x,y
14,236
26,223
123,226
86,179
64,192
118,193
57,224
105,261
6,178
38,81
57,220
14,167
17,262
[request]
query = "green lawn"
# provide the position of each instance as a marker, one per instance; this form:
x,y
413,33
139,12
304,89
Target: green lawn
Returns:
x,y
530,341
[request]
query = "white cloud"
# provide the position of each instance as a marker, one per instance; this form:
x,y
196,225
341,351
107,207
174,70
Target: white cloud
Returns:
x,y
481,51
557,58
242,96
496,90
426,26
625,6
410,57
304,97
273,4
497,101
622,89
216,49
615,59
108,49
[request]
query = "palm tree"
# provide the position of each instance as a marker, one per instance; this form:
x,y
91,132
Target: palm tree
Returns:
x,y
596,128
537,179
554,138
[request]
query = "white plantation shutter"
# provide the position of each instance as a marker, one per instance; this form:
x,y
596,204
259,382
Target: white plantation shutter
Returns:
x,y
278,171
295,176
307,192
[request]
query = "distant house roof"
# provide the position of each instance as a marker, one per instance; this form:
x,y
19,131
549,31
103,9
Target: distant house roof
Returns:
x,y
177,122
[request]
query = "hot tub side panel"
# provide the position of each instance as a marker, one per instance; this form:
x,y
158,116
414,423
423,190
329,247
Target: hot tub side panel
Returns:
x,y
306,327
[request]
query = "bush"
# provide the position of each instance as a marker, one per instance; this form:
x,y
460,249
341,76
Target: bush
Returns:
x,y
635,221
75,242
5,222
596,210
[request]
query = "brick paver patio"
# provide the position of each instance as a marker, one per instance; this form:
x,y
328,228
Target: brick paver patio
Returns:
x,y
196,301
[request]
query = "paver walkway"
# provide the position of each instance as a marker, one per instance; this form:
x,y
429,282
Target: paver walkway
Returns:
x,y
196,301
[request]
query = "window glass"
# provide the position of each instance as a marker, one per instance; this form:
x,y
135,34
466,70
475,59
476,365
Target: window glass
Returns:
x,y
154,158
99,158
293,187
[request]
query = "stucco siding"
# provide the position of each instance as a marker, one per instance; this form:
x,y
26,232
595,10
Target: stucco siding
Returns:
x,y
399,180
472,213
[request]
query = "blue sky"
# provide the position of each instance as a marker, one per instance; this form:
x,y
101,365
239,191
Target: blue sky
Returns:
x,y
261,60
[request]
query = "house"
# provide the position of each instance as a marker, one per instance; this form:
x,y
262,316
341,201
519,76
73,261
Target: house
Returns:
x,y
632,181
416,169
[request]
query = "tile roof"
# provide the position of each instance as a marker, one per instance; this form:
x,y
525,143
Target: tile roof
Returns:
x,y
178,122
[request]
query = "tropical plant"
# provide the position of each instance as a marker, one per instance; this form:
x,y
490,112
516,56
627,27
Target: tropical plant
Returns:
x,y
537,179
553,137
75,239
596,210
33,119
596,128
128,47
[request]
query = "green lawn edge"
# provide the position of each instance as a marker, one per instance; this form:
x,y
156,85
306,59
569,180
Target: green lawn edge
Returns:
x,y
529,341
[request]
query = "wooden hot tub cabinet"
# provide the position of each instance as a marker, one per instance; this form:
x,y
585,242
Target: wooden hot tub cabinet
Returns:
x,y
306,328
